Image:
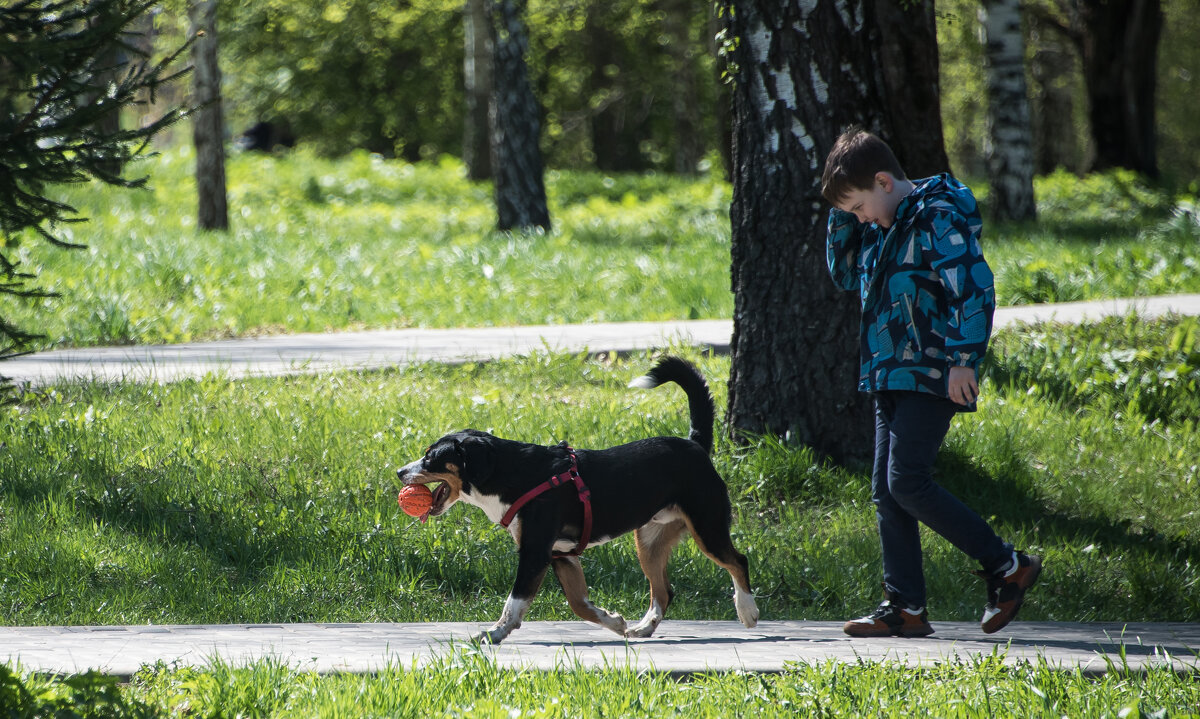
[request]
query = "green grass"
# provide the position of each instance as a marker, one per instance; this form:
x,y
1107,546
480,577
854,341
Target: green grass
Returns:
x,y
273,500
360,242
1106,235
467,684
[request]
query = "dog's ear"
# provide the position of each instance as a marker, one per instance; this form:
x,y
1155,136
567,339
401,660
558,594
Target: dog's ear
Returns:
x,y
562,458
476,454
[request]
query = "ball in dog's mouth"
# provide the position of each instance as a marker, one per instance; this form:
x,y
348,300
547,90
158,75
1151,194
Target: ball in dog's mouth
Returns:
x,y
416,500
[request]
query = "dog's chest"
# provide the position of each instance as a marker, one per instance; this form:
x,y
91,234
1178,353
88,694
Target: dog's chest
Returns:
x,y
495,509
491,505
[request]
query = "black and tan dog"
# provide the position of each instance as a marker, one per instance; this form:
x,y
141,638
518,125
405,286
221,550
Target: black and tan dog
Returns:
x,y
659,488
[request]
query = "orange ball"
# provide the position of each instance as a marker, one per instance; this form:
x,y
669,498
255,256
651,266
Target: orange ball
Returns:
x,y
415,500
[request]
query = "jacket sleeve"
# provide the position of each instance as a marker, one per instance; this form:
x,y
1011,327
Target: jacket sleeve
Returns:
x,y
842,248
970,287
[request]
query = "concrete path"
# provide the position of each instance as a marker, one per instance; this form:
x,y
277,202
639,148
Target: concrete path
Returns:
x,y
309,353
679,647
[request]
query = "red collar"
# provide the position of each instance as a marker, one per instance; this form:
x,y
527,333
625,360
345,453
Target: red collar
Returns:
x,y
585,496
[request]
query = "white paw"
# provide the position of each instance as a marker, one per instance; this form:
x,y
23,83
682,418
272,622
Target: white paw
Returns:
x,y
641,630
747,610
490,636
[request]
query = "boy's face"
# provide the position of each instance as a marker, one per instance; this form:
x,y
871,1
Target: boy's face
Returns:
x,y
876,204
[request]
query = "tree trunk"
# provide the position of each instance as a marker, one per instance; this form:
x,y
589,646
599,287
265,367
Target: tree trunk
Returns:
x,y
477,74
1119,49
1009,146
517,160
208,127
615,137
910,119
1052,103
108,68
804,70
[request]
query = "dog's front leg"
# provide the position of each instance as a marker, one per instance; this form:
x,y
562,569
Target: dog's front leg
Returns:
x,y
533,559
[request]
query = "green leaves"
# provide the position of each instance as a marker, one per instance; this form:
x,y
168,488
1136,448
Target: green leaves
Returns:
x,y
82,696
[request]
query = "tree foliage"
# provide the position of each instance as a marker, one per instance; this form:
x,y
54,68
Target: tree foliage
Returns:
x,y
60,85
349,73
610,75
388,76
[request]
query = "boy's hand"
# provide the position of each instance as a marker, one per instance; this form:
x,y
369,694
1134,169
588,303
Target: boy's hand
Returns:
x,y
963,388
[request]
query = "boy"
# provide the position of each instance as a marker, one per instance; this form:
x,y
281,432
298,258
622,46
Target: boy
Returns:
x,y
911,249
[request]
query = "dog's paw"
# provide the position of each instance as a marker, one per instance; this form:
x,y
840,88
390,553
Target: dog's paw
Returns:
x,y
747,610
611,621
489,636
641,630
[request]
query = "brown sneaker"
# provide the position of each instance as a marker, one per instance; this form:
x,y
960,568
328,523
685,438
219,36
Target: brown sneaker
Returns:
x,y
890,620
1006,592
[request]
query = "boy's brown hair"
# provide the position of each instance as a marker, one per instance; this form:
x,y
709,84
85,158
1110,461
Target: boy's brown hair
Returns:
x,y
852,163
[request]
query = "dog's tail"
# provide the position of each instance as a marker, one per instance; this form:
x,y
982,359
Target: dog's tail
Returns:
x,y
700,401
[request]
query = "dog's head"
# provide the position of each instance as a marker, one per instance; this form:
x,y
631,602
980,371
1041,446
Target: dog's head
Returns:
x,y
454,466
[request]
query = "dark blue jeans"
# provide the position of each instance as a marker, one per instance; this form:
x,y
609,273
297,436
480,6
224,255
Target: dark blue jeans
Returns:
x,y
909,429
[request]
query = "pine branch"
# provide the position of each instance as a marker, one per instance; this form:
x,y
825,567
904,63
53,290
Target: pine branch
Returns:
x,y
60,79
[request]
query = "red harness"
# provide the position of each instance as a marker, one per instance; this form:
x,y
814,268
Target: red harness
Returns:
x,y
585,496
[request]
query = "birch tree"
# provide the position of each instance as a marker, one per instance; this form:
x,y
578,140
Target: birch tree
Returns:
x,y
803,70
1009,145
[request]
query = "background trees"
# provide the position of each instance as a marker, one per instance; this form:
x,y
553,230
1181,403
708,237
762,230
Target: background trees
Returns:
x,y
628,85
67,70
1118,45
385,77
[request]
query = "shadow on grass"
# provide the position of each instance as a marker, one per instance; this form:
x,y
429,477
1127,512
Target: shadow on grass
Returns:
x,y
154,505
1007,499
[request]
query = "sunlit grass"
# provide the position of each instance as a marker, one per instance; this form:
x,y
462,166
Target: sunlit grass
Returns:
x,y
464,683
272,500
363,242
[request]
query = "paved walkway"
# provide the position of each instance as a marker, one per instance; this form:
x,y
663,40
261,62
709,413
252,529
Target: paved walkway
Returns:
x,y
307,353
679,647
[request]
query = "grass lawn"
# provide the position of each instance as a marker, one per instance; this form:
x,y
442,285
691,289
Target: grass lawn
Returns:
x,y
361,242
273,500
467,685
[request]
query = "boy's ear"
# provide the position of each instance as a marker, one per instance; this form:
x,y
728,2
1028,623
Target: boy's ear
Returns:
x,y
885,181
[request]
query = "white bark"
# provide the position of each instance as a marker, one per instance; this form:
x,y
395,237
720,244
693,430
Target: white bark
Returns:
x,y
1009,143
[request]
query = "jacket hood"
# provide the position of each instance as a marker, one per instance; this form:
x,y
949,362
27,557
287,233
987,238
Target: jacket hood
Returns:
x,y
942,190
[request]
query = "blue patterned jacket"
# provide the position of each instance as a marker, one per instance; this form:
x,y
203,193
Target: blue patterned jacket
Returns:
x,y
927,293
